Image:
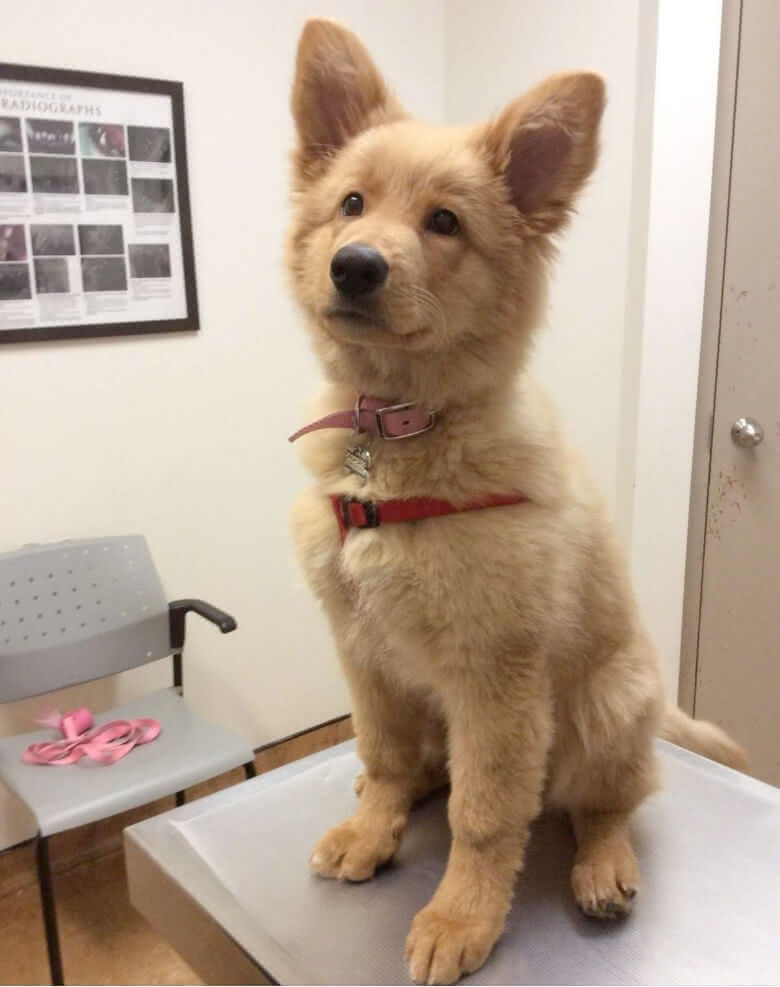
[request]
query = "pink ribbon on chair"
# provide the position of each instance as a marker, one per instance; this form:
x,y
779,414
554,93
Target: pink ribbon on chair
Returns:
x,y
81,738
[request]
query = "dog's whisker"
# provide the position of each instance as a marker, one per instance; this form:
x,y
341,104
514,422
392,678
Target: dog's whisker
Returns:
x,y
427,303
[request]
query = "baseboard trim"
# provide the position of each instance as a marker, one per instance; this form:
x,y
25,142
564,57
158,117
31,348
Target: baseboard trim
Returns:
x,y
307,731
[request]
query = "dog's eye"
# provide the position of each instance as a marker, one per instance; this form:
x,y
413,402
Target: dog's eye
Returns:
x,y
444,222
352,205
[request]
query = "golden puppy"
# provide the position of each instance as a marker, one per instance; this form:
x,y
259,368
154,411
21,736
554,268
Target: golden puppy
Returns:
x,y
498,647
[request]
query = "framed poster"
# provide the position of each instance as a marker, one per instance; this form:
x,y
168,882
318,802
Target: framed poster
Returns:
x,y
95,227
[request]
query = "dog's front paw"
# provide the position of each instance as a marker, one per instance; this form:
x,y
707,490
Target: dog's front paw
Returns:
x,y
353,850
605,884
441,948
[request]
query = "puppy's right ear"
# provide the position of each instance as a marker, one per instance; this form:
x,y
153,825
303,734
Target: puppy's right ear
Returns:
x,y
337,93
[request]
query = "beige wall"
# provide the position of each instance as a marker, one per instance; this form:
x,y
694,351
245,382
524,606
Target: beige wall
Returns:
x,y
184,439
621,353
495,50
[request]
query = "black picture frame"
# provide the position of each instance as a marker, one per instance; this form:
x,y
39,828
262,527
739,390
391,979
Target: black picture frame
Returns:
x,y
10,72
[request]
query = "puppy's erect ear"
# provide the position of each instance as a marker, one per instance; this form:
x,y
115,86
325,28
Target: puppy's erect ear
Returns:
x,y
545,145
337,93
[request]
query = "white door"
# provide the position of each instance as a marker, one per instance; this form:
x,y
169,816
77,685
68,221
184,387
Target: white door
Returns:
x,y
738,659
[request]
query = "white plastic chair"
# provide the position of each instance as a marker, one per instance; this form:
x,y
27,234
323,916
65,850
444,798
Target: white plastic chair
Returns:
x,y
76,611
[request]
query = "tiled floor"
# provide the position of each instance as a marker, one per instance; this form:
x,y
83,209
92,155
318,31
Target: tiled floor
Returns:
x,y
104,941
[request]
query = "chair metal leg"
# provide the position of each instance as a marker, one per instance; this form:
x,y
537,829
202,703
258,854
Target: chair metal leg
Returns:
x,y
49,909
249,770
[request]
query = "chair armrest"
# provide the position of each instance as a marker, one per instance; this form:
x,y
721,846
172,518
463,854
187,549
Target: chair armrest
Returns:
x,y
178,610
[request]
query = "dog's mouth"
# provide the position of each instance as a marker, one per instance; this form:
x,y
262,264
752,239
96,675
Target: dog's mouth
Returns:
x,y
354,324
355,317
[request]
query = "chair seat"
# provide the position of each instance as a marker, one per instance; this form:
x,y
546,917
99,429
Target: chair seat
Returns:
x,y
189,750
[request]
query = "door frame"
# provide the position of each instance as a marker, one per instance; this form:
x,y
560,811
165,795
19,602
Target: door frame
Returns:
x,y
663,386
710,344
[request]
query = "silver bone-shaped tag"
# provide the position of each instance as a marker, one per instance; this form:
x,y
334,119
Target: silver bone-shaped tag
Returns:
x,y
357,460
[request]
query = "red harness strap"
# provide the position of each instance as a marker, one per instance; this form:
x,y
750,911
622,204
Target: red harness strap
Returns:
x,y
351,512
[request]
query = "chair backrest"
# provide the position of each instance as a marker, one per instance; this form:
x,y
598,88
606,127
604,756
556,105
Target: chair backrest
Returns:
x,y
74,611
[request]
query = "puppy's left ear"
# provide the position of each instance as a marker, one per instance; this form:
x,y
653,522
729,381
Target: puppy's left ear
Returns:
x,y
545,145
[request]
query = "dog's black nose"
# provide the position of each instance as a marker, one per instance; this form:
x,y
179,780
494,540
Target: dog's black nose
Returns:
x,y
358,269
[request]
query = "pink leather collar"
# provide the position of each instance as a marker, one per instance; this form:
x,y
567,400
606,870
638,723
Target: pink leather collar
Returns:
x,y
106,744
389,421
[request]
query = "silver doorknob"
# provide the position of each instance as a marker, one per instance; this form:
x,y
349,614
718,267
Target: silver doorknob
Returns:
x,y
746,432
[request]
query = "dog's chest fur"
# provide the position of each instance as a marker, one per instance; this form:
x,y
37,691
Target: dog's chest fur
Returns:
x,y
473,588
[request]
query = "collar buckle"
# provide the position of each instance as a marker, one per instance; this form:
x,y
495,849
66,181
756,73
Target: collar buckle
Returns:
x,y
357,513
394,408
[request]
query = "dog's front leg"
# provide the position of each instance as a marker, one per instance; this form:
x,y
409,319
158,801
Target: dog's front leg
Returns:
x,y
499,736
388,726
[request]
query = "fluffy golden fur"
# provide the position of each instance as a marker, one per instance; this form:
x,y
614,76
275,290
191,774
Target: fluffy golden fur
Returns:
x,y
499,650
